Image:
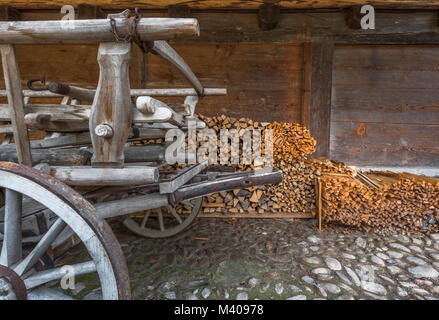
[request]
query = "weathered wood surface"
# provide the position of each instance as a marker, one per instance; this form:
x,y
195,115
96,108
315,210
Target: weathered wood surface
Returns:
x,y
166,52
111,105
385,109
73,157
263,81
91,176
224,4
320,95
93,30
16,103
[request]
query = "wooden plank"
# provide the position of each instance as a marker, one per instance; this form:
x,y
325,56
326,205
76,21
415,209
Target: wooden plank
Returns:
x,y
377,79
378,144
382,57
386,106
263,81
225,4
320,100
16,103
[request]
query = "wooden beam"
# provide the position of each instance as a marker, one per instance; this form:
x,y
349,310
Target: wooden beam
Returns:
x,y
93,30
91,176
90,11
16,103
268,16
320,99
111,108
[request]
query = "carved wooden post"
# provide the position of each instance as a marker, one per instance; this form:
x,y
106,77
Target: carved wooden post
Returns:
x,y
110,118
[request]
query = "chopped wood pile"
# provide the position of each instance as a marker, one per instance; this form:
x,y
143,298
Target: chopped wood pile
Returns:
x,y
384,202
292,145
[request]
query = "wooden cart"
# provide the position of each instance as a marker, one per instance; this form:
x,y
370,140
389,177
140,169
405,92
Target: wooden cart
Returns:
x,y
48,205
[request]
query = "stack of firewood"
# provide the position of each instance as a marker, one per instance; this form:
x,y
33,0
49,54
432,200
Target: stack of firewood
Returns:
x,y
381,201
292,145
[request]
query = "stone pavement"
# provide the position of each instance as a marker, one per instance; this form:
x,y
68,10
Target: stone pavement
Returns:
x,y
279,259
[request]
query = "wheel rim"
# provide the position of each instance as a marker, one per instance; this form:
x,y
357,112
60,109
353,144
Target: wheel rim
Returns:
x,y
71,210
146,226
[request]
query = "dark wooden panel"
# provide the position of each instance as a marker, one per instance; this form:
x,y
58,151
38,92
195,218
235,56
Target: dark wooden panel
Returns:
x,y
376,144
320,96
378,79
385,105
73,64
263,81
396,57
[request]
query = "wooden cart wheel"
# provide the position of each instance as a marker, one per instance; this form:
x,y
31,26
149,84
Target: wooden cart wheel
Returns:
x,y
19,277
165,221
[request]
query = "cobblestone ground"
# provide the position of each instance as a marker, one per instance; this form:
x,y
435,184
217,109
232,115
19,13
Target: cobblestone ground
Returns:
x,y
278,259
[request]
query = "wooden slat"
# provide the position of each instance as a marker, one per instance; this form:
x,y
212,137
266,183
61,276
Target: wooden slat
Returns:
x,y
385,144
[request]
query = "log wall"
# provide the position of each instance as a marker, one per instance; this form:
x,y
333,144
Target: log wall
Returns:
x,y
385,105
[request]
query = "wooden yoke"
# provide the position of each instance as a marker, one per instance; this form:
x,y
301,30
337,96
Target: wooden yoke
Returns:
x,y
111,113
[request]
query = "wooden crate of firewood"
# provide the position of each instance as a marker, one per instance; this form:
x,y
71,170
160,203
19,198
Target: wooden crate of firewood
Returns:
x,y
379,201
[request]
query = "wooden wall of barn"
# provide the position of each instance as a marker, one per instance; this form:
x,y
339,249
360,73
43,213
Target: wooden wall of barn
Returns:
x,y
385,105
369,97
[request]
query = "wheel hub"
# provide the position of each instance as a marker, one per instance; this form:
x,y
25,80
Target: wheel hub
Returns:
x,y
15,283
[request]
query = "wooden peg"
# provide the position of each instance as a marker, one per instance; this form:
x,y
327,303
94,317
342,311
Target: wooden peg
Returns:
x,y
268,16
353,17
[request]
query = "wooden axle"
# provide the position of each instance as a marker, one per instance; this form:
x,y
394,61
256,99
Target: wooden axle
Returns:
x,y
90,176
78,157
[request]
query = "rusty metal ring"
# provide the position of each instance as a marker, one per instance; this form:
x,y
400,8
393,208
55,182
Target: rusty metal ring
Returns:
x,y
14,279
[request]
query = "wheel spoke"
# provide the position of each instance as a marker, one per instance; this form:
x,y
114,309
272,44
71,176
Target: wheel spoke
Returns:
x,y
11,250
162,225
145,218
188,203
43,277
41,247
175,214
